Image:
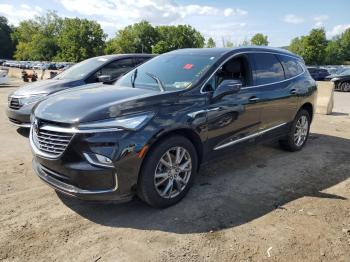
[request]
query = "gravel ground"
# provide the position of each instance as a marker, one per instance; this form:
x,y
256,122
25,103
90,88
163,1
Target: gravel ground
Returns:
x,y
258,204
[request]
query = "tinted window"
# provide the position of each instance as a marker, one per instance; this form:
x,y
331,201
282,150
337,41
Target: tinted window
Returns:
x,y
140,60
117,68
267,69
291,66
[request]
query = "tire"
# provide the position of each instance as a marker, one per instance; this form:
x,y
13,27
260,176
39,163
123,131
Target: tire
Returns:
x,y
177,178
345,86
291,143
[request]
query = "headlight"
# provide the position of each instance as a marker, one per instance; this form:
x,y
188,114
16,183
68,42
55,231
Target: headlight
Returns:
x,y
31,99
131,122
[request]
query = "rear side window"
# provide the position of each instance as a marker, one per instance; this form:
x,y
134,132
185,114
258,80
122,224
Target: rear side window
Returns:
x,y
291,66
268,69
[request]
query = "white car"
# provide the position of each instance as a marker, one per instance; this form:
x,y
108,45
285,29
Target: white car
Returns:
x,y
3,76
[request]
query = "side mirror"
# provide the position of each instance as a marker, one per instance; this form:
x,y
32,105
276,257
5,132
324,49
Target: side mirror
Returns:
x,y
227,87
104,79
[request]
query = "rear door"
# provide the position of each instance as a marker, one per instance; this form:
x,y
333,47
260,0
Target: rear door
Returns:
x,y
278,95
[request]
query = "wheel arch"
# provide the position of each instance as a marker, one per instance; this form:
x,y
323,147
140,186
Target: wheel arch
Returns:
x,y
188,133
309,108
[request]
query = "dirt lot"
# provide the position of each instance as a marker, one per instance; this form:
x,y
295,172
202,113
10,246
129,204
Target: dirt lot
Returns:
x,y
261,204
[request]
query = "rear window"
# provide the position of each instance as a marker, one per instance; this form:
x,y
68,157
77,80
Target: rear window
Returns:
x,y
291,66
267,69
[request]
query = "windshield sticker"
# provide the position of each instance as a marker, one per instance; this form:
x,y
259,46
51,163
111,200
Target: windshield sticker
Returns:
x,y
188,66
212,58
181,84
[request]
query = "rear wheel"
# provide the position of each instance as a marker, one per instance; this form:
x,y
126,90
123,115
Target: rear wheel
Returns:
x,y
299,132
345,86
168,171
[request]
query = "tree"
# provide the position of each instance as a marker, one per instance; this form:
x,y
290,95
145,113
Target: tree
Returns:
x,y
175,37
311,47
333,53
315,47
80,39
136,38
259,39
37,38
211,43
7,46
344,43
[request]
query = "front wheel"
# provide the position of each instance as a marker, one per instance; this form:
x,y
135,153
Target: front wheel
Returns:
x,y
168,171
299,132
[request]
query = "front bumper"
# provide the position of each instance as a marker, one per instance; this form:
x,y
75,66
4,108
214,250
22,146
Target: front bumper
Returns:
x,y
53,179
75,174
20,117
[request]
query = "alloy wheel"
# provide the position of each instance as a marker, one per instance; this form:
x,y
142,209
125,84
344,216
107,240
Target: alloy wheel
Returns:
x,y
173,172
301,130
345,87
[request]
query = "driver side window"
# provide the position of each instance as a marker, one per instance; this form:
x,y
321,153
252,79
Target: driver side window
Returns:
x,y
114,69
236,68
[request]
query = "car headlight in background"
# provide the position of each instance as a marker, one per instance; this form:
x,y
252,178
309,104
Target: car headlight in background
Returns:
x,y
25,100
130,122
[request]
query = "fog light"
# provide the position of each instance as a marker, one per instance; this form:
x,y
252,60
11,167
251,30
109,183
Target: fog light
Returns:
x,y
103,159
98,160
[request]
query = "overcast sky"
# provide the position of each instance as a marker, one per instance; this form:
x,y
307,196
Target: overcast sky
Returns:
x,y
235,20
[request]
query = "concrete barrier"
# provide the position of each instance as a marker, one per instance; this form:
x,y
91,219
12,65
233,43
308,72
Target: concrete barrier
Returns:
x,y
325,97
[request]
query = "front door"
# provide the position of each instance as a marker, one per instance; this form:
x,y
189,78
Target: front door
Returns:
x,y
234,118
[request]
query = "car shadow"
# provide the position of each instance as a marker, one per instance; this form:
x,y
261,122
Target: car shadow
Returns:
x,y
23,131
236,189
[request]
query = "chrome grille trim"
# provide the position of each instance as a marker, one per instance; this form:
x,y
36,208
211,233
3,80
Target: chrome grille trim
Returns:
x,y
49,144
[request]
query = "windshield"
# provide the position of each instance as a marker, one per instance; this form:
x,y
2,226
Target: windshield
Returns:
x,y
173,72
345,73
82,69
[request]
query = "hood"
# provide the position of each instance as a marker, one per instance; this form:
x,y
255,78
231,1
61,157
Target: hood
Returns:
x,y
94,102
45,86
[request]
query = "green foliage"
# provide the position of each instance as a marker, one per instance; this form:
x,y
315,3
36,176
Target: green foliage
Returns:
x,y
6,45
136,38
175,37
259,39
333,53
80,39
211,43
37,38
344,43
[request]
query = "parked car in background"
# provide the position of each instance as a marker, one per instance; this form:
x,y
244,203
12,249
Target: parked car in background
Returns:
x,y
104,69
341,81
149,133
318,74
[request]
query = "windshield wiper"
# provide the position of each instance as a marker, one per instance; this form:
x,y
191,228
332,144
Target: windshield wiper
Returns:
x,y
157,79
133,78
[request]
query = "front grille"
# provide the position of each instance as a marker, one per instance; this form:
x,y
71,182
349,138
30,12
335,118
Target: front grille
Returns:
x,y
14,103
51,142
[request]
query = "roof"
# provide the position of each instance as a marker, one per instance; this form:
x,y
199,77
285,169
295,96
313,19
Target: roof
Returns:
x,y
112,57
223,51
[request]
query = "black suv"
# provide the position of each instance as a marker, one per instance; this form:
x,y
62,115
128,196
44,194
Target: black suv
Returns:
x,y
149,133
104,69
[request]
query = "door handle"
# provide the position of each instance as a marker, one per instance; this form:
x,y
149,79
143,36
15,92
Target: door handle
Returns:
x,y
253,99
215,109
294,91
